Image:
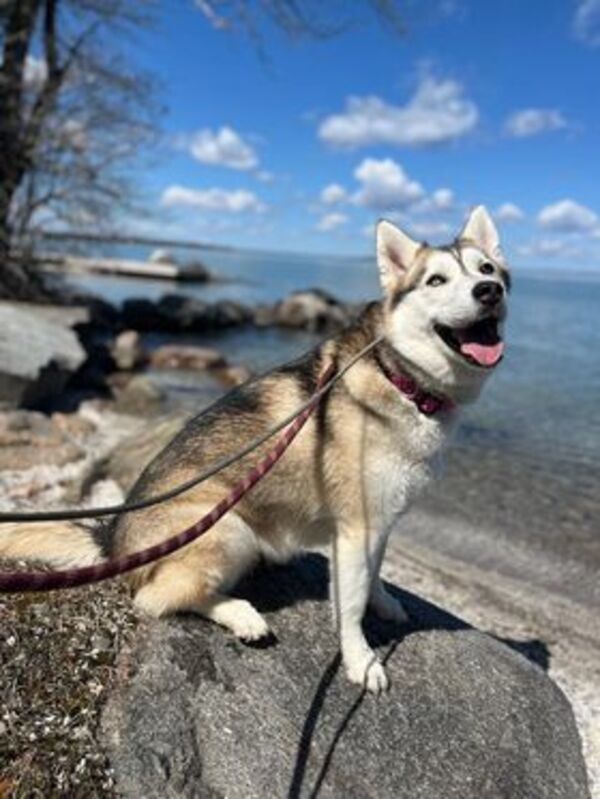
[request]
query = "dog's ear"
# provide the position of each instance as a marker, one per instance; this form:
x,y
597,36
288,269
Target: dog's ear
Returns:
x,y
395,254
480,229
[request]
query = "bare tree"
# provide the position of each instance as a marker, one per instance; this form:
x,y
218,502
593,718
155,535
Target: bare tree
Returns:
x,y
73,112
297,18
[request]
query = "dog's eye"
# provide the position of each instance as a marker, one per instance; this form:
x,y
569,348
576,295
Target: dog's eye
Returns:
x,y
486,268
437,280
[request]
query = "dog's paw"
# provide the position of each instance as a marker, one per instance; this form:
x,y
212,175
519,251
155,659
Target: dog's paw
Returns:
x,y
368,672
248,624
388,607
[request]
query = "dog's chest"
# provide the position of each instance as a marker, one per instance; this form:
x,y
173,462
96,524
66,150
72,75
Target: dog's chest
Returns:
x,y
402,464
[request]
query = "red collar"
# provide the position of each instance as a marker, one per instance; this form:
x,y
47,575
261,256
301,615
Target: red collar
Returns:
x,y
428,404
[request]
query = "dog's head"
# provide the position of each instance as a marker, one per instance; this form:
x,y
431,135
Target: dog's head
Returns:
x,y
444,307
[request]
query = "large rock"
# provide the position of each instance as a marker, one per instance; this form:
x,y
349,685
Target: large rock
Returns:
x,y
314,310
182,313
179,313
198,714
37,355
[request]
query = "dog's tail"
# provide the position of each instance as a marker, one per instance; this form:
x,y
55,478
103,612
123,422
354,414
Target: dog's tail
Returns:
x,y
61,544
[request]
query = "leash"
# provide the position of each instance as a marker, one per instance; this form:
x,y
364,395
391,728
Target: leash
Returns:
x,y
13,582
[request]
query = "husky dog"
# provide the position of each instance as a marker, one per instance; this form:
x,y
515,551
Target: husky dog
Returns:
x,y
368,449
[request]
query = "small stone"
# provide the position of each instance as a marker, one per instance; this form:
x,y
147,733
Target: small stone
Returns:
x,y
174,356
234,375
128,351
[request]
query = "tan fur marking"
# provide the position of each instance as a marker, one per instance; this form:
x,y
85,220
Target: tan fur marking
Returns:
x,y
60,544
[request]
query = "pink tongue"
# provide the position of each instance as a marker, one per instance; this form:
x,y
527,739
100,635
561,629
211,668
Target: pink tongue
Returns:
x,y
484,354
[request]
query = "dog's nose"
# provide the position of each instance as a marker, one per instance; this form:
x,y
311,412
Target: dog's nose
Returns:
x,y
488,292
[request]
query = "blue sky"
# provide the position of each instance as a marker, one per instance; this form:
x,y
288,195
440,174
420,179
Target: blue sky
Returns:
x,y
478,102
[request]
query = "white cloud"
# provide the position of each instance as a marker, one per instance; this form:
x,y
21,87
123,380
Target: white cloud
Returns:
x,y
440,200
430,229
385,185
265,176
438,112
443,199
509,212
533,121
223,147
333,194
569,217
214,199
586,24
549,248
331,221
35,73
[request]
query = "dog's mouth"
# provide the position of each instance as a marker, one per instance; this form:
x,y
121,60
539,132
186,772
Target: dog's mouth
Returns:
x,y
479,344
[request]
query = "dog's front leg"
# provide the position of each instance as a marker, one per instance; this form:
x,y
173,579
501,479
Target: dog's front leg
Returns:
x,y
383,604
350,587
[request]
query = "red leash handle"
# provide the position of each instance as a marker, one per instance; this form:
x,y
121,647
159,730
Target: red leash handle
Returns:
x,y
13,582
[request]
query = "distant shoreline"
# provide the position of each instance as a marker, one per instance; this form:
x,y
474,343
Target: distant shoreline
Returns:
x,y
131,239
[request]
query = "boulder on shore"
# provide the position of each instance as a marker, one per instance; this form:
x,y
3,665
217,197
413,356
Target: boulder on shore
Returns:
x,y
314,310
38,354
198,714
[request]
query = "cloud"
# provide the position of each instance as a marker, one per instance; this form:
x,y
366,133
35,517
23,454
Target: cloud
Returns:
x,y
443,199
333,194
214,199
586,23
569,217
223,147
265,176
385,185
35,73
426,230
440,200
331,221
533,121
509,212
550,248
437,113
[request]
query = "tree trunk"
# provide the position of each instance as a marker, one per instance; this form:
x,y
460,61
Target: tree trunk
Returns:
x,y
18,279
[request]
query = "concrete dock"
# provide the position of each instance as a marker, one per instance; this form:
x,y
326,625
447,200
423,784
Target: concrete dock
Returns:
x,y
71,264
